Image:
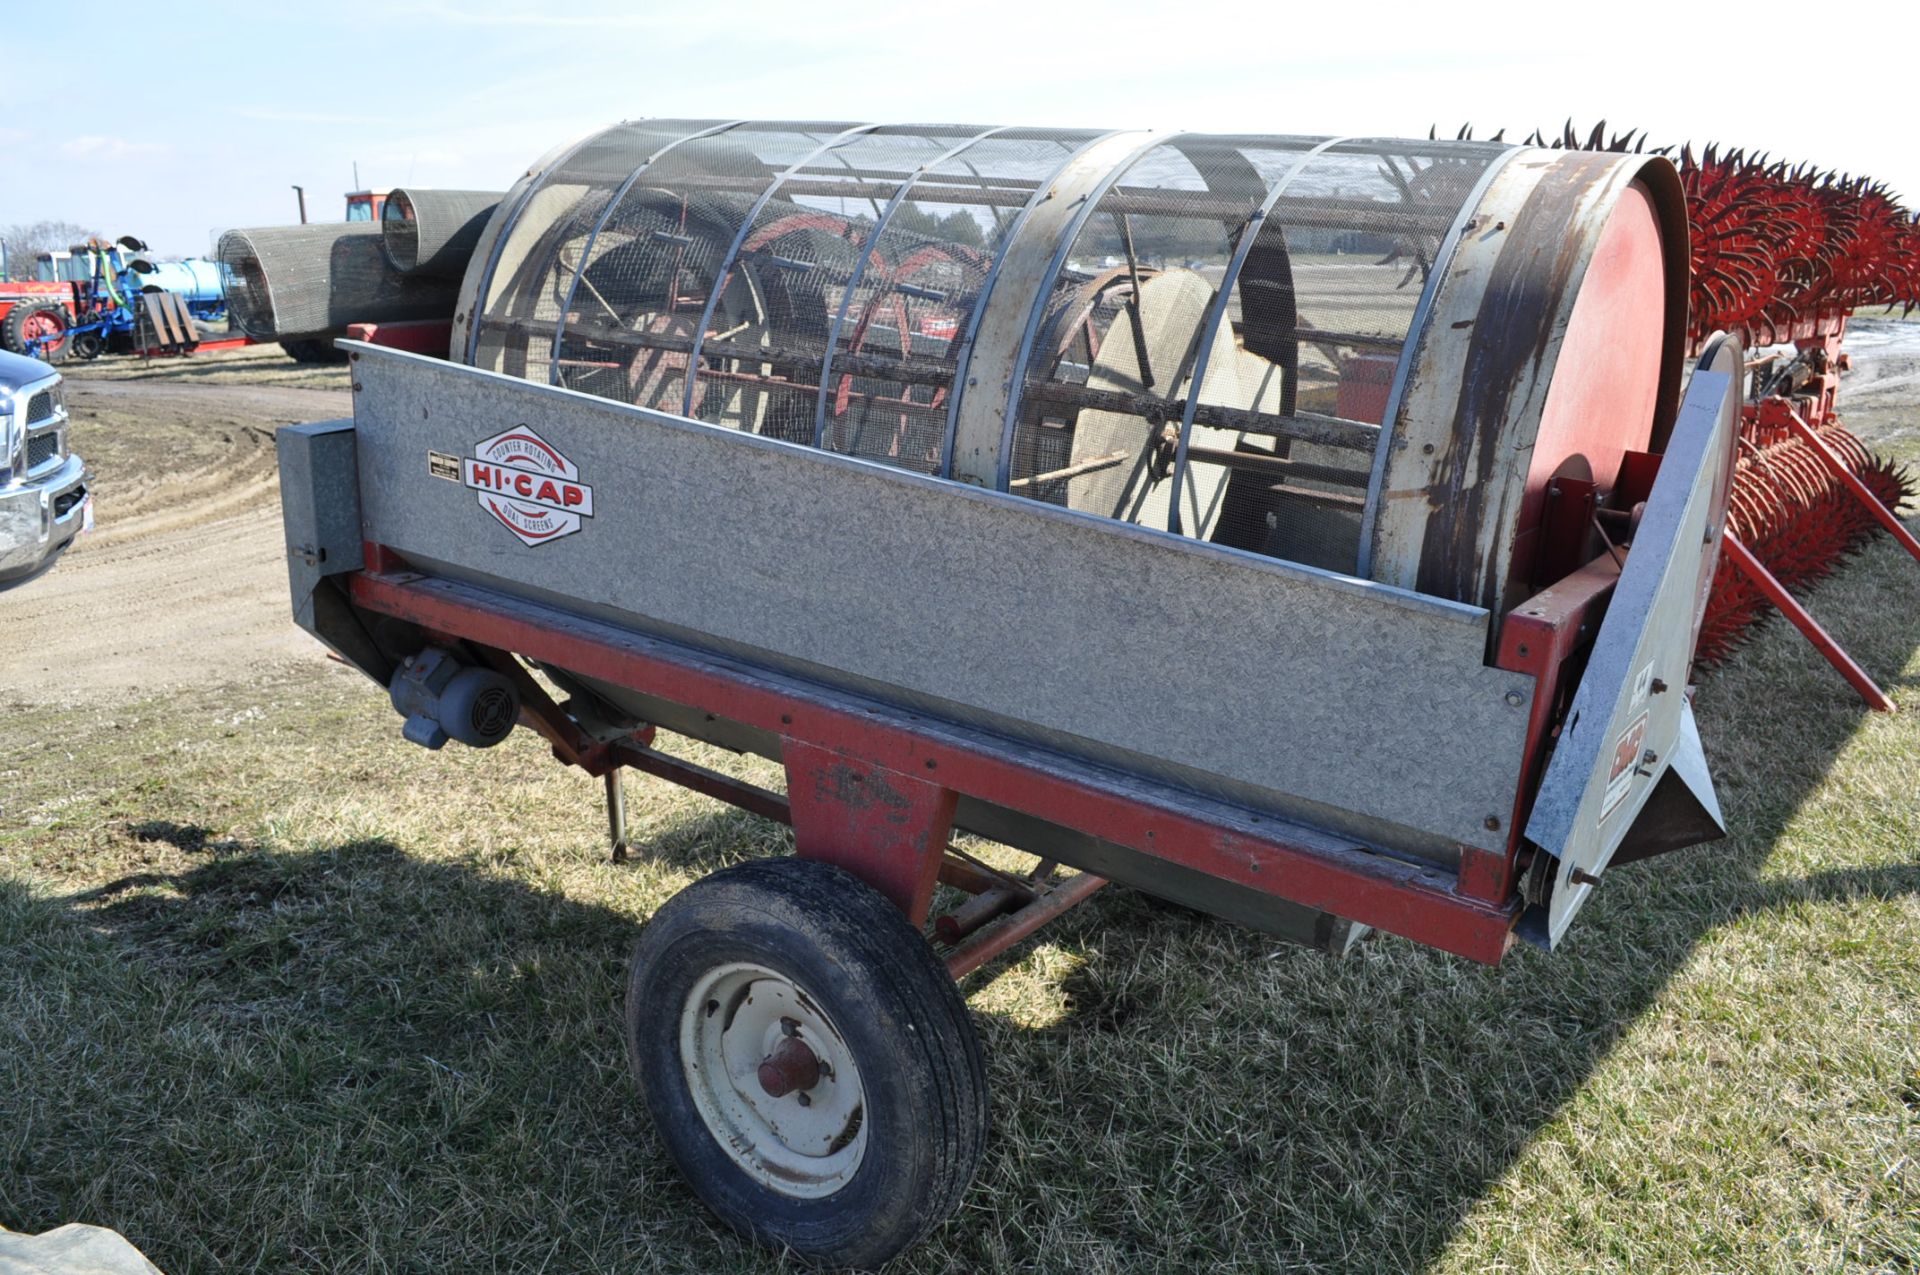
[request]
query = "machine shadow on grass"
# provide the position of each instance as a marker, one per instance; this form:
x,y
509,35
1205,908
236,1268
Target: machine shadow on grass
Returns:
x,y
1399,1085
417,1063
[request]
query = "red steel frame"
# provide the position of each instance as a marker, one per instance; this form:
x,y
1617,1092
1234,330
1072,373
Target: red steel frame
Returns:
x,y
1744,560
1777,416
874,790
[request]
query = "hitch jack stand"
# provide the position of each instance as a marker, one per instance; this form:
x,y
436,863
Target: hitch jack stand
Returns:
x,y
616,814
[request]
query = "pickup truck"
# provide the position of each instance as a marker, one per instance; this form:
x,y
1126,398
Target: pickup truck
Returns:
x,y
44,502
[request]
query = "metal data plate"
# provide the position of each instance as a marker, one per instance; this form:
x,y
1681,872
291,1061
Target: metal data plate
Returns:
x,y
1630,723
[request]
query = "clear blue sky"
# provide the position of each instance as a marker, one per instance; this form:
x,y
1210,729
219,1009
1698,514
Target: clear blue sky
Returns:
x,y
221,107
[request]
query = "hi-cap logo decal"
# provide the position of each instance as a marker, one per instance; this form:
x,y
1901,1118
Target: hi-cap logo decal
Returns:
x,y
522,480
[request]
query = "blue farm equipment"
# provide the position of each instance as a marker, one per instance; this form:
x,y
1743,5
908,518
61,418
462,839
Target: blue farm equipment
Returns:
x,y
103,297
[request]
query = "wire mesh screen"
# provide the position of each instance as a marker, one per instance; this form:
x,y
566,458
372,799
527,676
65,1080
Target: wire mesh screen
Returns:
x,y
889,389
1275,398
1115,355
1214,353
519,302
657,269
1326,297
293,281
434,231
796,261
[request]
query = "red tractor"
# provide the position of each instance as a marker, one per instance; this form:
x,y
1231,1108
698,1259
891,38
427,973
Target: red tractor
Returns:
x,y
36,314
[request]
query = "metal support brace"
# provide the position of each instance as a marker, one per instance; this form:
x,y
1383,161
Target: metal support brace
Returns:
x,y
614,201
1017,382
1756,571
852,287
732,258
1003,244
1798,425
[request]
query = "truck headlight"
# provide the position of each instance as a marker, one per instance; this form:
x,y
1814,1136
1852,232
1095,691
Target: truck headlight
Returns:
x,y
13,438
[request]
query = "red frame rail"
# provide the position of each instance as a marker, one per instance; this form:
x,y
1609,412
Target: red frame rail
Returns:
x,y
874,790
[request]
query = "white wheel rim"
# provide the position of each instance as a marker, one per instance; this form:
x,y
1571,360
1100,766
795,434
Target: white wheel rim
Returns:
x,y
808,1143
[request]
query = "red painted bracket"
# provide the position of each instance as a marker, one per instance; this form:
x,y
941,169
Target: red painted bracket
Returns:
x,y
414,336
889,829
1539,637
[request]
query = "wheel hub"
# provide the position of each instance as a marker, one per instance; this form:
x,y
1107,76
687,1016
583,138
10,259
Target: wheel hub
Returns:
x,y
773,1080
789,1068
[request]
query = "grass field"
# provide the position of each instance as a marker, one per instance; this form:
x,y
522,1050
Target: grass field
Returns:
x,y
281,992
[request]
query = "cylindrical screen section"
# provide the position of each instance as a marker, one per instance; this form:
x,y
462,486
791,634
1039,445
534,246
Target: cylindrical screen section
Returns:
x,y
1214,334
927,272
434,231
1323,301
517,277
657,263
1097,425
298,281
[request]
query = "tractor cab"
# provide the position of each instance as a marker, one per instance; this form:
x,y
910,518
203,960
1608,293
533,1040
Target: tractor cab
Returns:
x,y
366,205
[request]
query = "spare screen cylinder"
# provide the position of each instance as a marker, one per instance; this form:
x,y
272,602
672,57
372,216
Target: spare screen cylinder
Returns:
x,y
1341,352
432,232
296,281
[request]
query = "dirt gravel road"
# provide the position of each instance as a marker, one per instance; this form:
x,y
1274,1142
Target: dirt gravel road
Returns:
x,y
184,581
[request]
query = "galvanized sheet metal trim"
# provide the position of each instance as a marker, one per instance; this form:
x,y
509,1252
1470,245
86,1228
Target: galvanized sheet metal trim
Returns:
x,y
964,361
1016,389
1442,262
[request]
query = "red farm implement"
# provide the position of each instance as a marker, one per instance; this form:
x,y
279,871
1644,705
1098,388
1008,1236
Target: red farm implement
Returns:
x,y
1094,493
1782,256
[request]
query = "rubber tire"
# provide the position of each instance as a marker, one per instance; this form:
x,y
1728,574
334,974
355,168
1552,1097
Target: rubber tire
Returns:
x,y
88,346
13,336
896,1008
319,350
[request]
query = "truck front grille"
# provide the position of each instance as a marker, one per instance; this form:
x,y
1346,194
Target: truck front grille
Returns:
x,y
42,448
40,407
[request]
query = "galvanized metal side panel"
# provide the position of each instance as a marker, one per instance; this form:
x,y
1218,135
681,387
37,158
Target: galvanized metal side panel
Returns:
x,y
1334,701
320,513
319,503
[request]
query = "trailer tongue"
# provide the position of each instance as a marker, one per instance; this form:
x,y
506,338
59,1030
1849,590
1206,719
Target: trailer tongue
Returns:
x,y
855,452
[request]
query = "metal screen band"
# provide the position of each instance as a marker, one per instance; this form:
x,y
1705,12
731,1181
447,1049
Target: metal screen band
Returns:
x,y
733,253
586,251
1003,464
511,219
1217,315
1442,259
860,270
965,356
